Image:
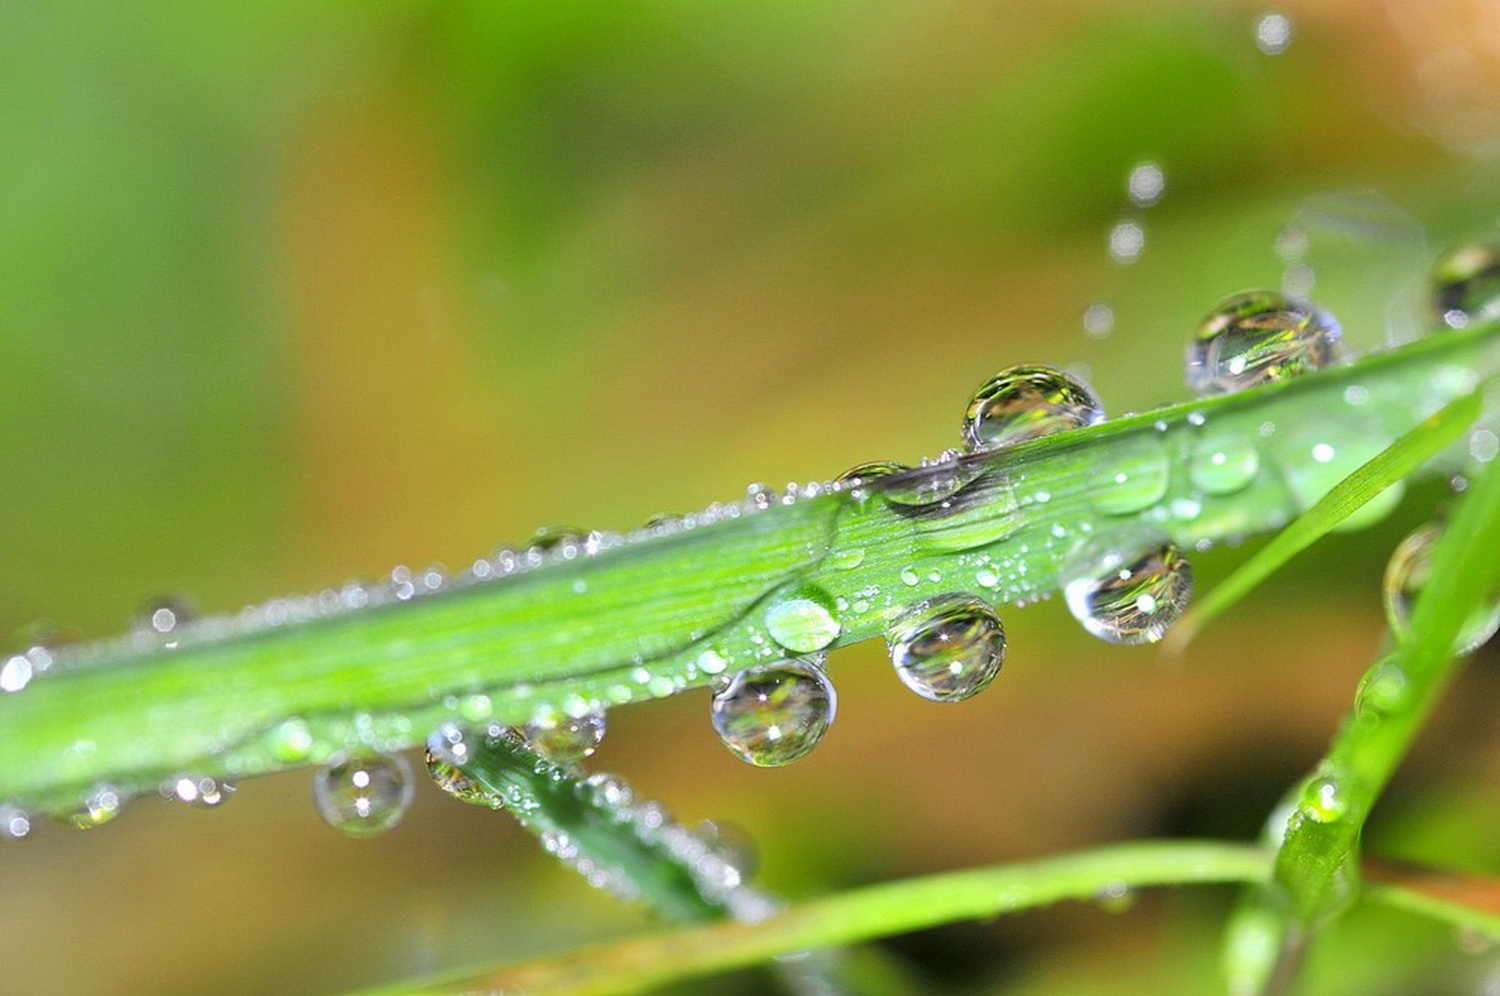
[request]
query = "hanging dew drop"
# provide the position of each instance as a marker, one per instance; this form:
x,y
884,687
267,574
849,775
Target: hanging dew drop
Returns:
x,y
774,715
97,808
566,740
1260,337
363,796
197,790
1407,573
447,748
802,619
1027,402
15,823
1466,286
1125,596
947,648
1324,801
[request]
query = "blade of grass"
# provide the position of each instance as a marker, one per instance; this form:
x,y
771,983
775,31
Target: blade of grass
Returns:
x,y
1395,463
864,914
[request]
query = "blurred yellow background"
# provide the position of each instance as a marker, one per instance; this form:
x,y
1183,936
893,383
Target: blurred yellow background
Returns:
x,y
296,292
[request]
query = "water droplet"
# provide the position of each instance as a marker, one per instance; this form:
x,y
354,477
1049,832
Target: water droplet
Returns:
x,y
1127,240
1145,184
1115,897
1466,286
731,844
1383,689
1323,800
549,538
802,619
1132,476
1273,33
1098,320
1257,338
197,790
1124,596
16,673
947,648
775,714
363,796
566,740
291,740
164,617
1022,403
1223,462
1406,574
447,747
15,822
101,805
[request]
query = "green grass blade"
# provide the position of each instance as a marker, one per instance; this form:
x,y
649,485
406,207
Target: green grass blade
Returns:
x,y
1395,463
865,914
1395,697
604,623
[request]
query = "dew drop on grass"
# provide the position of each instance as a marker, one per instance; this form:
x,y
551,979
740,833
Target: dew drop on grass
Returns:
x,y
566,740
1324,801
732,845
1115,897
1407,573
1027,402
98,807
1132,476
1466,286
15,823
1260,337
363,795
290,740
447,748
776,714
1125,596
1383,689
1222,462
947,648
164,617
202,791
802,619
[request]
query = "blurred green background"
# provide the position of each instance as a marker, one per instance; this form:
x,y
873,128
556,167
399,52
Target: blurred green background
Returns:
x,y
296,292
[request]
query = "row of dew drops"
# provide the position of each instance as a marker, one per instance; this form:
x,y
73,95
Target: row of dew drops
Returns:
x,y
945,648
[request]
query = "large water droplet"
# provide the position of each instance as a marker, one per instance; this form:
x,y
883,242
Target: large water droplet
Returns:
x,y
1257,338
1022,403
947,648
1466,286
1407,573
1125,596
802,619
363,796
1223,462
775,714
1133,475
566,740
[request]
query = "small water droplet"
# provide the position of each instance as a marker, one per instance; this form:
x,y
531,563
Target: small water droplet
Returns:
x,y
1323,801
1383,689
1273,33
1115,897
1407,573
947,648
773,715
447,748
549,538
15,822
1127,240
363,796
856,478
1145,184
731,844
1466,286
1260,337
164,618
566,740
909,577
1124,596
1222,462
802,619
98,807
1132,476
1022,403
197,790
